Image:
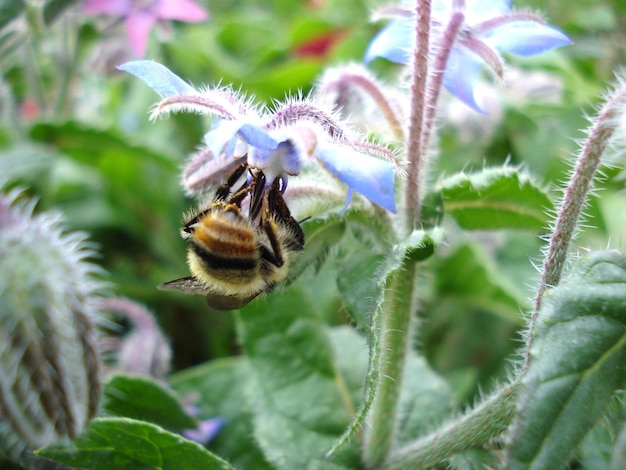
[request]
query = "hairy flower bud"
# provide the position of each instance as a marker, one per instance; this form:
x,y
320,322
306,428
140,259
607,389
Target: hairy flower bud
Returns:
x,y
49,360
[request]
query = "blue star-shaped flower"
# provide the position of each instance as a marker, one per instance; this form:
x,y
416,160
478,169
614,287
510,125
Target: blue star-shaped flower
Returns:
x,y
488,28
276,143
283,151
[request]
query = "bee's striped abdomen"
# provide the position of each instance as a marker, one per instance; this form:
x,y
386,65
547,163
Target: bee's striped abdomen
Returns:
x,y
227,247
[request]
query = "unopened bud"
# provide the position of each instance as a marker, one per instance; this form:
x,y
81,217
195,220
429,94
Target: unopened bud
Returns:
x,y
49,359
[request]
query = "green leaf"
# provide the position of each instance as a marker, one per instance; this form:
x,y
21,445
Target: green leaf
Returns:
x,y
299,400
10,41
469,279
218,388
144,398
618,459
371,229
54,8
495,198
10,9
595,451
357,282
425,399
418,244
350,352
126,444
320,235
473,459
577,362
107,182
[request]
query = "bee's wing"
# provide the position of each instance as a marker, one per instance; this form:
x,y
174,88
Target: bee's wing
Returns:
x,y
228,302
218,301
188,285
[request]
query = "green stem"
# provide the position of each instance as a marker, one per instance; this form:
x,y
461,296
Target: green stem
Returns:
x,y
393,326
31,52
486,421
575,198
67,63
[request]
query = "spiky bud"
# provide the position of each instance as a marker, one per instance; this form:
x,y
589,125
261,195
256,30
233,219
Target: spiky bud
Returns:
x,y
49,359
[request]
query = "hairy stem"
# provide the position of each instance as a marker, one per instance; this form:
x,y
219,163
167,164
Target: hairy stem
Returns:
x,y
435,78
395,328
376,93
575,197
486,421
416,126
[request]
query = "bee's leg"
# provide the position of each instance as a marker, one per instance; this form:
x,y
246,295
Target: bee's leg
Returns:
x,y
222,195
275,256
280,212
223,192
275,212
257,197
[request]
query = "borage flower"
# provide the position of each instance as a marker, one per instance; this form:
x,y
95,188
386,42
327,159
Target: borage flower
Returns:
x,y
277,142
207,429
140,16
487,27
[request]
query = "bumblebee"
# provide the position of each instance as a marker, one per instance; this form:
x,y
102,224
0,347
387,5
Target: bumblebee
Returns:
x,y
235,256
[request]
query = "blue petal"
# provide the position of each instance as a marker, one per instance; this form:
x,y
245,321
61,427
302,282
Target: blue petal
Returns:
x,y
292,158
222,138
479,10
461,76
393,42
527,39
207,429
257,137
368,176
158,77
286,158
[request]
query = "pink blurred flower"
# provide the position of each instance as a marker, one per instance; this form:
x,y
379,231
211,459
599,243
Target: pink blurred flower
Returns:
x,y
141,15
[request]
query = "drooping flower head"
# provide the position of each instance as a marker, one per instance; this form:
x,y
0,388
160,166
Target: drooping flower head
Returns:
x,y
278,142
144,350
487,27
140,16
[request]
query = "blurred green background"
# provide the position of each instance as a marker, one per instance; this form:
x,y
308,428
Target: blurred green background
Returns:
x,y
75,133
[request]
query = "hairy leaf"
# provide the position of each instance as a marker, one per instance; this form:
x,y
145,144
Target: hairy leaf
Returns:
x,y
357,281
144,398
425,399
299,400
10,9
122,443
495,198
468,278
319,236
416,246
218,388
577,362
